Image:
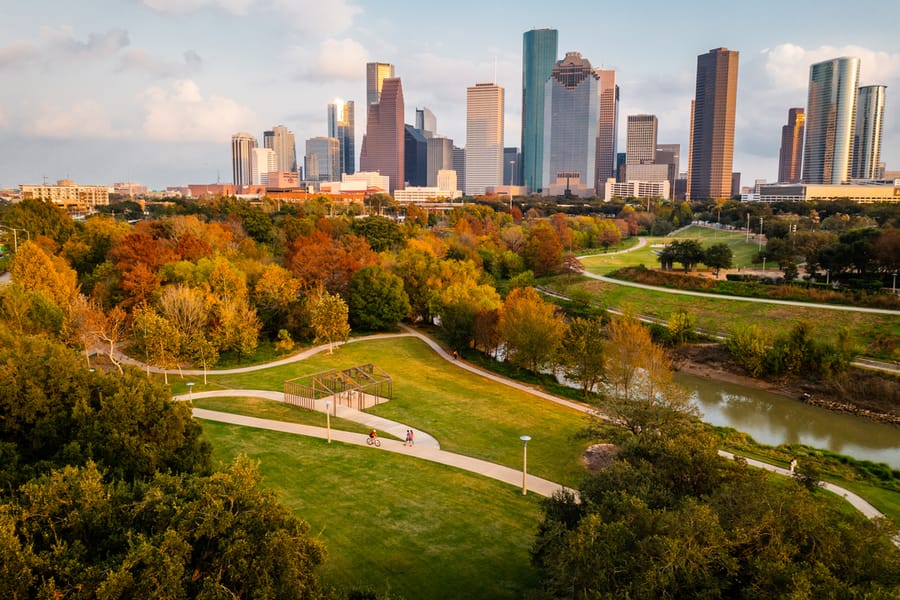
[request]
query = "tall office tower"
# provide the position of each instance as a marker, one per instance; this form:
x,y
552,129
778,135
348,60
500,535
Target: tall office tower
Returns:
x,y
262,162
459,165
539,50
376,73
281,140
790,158
382,146
512,160
241,145
571,122
608,128
670,155
620,167
426,122
484,137
323,159
439,157
830,119
712,139
640,140
690,155
867,134
341,125
415,155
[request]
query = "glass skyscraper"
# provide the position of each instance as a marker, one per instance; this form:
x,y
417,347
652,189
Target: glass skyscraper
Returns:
x,y
830,120
341,126
867,135
539,51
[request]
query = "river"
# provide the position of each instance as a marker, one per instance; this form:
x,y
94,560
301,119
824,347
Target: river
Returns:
x,y
773,419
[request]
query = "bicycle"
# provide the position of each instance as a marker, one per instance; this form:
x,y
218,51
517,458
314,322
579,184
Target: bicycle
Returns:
x,y
373,441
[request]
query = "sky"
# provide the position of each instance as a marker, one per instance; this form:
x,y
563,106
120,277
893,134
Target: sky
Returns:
x,y
151,91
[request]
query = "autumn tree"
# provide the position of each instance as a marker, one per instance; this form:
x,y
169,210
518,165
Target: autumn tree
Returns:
x,y
462,297
158,338
607,234
316,259
543,253
330,318
418,267
37,271
581,353
531,329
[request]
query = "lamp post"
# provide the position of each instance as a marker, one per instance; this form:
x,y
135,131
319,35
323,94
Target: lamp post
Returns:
x,y
328,418
190,385
759,245
764,264
525,439
894,284
16,237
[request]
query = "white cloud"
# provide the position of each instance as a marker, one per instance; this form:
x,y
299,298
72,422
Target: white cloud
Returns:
x,y
86,119
62,42
312,16
160,68
788,64
17,53
183,114
341,59
237,7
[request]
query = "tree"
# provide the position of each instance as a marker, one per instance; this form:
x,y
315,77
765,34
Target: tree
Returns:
x,y
680,326
37,271
687,252
542,252
376,299
158,338
381,233
531,329
581,354
608,234
329,314
717,257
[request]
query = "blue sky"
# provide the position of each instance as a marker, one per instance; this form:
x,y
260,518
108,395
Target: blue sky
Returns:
x,y
151,90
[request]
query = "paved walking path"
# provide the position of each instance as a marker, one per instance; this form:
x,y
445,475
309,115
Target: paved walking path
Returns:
x,y
534,484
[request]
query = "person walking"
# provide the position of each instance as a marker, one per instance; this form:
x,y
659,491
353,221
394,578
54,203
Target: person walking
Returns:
x,y
793,465
407,441
409,436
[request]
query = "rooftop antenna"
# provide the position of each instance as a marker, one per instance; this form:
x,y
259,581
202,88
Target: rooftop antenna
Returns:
x,y
217,177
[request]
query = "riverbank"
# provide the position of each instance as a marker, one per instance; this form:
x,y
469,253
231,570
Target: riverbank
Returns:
x,y
861,393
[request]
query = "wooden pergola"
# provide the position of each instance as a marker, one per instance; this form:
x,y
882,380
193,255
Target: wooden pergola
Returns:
x,y
358,387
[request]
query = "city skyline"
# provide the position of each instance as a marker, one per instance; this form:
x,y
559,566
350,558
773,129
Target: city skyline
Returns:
x,y
152,97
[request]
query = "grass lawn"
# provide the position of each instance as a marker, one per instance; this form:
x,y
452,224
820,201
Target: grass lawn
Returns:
x,y
467,414
391,522
277,411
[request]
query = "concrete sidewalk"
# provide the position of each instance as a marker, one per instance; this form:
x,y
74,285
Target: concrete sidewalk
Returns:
x,y
534,484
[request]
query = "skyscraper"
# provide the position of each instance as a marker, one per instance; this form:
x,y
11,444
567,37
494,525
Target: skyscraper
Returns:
x,y
415,157
323,159
281,140
459,165
341,126
790,158
484,137
376,73
262,162
440,158
571,122
382,146
712,139
512,158
867,134
426,122
640,140
830,119
539,50
670,155
241,162
608,128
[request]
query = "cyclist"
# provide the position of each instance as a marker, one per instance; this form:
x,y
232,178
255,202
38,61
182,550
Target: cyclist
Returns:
x,y
373,434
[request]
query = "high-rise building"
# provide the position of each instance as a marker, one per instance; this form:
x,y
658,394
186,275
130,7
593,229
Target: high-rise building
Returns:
x,y
262,162
640,140
830,119
712,139
426,122
539,51
281,140
484,137
439,157
459,165
376,73
867,133
608,128
382,146
512,159
341,125
241,162
571,123
790,158
670,155
323,159
415,156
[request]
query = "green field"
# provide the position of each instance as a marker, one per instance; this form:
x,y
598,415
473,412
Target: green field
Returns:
x,y
394,523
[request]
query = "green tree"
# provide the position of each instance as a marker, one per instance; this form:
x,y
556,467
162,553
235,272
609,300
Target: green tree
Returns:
x,y
718,257
329,315
381,233
748,346
681,326
376,299
531,330
687,252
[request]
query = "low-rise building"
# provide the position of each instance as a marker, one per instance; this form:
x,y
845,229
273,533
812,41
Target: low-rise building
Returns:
x,y
864,193
76,199
636,189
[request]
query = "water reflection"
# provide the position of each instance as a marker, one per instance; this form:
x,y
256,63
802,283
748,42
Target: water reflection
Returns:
x,y
772,419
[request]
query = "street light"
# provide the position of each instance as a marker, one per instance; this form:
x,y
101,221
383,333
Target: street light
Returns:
x,y
525,439
894,284
15,237
328,418
190,385
760,234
